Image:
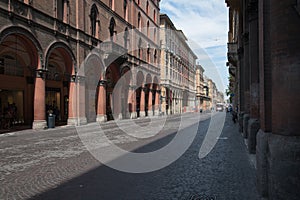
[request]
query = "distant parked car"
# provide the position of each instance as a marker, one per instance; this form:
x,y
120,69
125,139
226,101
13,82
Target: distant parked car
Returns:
x,y
219,107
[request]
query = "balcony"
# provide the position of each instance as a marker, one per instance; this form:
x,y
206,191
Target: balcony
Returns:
x,y
113,52
232,54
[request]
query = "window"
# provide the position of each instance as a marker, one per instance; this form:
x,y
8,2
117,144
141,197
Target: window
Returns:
x,y
154,35
62,10
154,16
147,8
125,10
139,48
155,56
112,25
139,21
148,26
125,37
112,4
148,53
94,16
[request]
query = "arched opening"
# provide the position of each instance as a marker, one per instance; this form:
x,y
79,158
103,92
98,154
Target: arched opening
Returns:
x,y
59,65
18,62
112,76
92,72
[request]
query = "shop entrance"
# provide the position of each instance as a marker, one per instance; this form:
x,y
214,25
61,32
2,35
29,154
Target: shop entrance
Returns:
x,y
53,105
11,108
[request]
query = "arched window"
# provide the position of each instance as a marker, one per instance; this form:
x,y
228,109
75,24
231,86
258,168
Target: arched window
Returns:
x,y
94,16
148,53
148,27
147,8
125,37
112,4
155,56
125,10
154,34
112,25
139,21
139,48
62,10
154,16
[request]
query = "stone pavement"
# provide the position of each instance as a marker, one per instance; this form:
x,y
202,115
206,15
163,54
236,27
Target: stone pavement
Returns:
x,y
54,164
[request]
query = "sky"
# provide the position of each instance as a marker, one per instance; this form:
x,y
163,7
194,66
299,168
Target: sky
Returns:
x,y
205,24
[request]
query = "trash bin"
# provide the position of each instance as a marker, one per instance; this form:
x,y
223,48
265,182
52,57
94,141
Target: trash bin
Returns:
x,y
51,121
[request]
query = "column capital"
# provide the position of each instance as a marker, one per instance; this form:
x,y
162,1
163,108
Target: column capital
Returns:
x,y
73,78
80,78
132,87
102,83
41,73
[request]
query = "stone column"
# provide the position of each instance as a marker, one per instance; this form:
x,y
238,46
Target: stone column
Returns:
x,y
150,106
284,141
101,107
245,78
117,103
157,102
142,103
39,118
253,123
72,115
265,98
163,101
132,102
80,98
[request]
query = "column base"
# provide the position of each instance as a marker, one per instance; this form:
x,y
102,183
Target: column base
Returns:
x,y
151,113
101,118
262,163
39,124
77,121
142,113
245,125
253,128
133,115
119,116
240,120
284,162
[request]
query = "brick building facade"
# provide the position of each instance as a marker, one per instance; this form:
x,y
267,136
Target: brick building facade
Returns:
x,y
57,55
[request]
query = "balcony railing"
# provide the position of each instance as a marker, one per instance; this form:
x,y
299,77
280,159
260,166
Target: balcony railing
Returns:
x,y
113,52
232,48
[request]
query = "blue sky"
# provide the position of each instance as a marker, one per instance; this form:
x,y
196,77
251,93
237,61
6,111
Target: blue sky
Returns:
x,y
205,23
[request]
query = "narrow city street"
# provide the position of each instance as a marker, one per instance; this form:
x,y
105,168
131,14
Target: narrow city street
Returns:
x,y
54,164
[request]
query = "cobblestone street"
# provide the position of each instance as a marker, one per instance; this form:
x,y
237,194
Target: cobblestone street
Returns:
x,y
54,164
